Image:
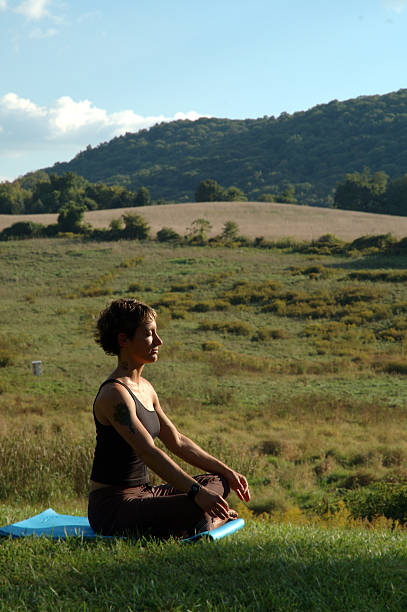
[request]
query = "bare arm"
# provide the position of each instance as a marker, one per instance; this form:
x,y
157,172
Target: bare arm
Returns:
x,y
192,453
117,408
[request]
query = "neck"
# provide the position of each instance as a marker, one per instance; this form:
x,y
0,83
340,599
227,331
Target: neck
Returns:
x,y
129,370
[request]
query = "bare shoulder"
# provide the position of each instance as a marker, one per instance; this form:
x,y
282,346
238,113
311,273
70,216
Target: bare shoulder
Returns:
x,y
111,397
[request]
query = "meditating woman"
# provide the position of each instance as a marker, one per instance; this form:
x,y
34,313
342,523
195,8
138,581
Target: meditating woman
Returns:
x,y
128,417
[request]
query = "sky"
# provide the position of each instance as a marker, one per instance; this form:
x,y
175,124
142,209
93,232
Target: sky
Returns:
x,y
75,73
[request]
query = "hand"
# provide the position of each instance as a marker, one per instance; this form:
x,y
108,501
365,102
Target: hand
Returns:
x,y
238,483
212,503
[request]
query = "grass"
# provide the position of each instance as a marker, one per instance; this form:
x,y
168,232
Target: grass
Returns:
x,y
268,341
263,567
289,366
259,219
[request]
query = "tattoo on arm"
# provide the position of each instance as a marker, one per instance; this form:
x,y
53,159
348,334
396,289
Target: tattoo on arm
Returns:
x,y
122,416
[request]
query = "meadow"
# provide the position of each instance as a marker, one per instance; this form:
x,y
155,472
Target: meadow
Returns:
x,y
269,219
290,366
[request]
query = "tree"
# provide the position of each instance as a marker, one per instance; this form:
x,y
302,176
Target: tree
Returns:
x,y
197,233
361,191
143,197
167,234
209,191
287,196
22,229
230,231
395,198
135,227
70,217
116,225
12,199
234,194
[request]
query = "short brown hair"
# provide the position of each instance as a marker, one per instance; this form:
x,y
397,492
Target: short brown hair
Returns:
x,y
123,315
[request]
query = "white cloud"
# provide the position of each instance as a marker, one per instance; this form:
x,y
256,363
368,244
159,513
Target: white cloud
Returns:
x,y
398,6
33,9
65,127
12,103
3,5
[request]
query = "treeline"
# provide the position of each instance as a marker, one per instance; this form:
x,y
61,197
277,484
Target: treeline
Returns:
x,y
373,193
134,227
39,192
311,150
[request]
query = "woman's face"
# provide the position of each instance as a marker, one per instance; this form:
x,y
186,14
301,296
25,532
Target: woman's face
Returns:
x,y
143,347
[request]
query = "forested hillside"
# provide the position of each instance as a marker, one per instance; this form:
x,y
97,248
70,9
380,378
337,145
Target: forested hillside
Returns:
x,y
311,150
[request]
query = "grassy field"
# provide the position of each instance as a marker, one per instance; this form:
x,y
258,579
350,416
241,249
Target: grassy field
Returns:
x,y
295,364
264,567
271,220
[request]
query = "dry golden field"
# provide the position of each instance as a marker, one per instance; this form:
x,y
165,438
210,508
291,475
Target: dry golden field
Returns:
x,y
271,220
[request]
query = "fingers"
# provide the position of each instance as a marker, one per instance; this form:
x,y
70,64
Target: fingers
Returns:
x,y
243,491
212,503
220,509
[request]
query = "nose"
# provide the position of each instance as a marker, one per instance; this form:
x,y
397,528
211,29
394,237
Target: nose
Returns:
x,y
157,340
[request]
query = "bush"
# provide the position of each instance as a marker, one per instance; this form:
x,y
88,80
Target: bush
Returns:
x,y
395,367
70,217
381,499
385,276
184,287
382,242
212,346
267,333
135,227
238,328
166,234
22,229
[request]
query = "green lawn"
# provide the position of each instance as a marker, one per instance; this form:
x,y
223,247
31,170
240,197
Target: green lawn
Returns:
x,y
263,567
290,367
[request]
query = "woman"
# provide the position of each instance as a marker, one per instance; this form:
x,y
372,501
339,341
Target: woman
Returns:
x,y
128,417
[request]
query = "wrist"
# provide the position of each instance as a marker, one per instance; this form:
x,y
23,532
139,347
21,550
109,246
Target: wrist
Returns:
x,y
195,488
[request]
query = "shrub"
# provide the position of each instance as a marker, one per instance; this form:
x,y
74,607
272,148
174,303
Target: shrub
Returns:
x,y
238,328
382,242
252,293
392,335
393,457
385,276
317,271
212,346
135,227
167,234
184,287
203,306
395,367
208,305
22,229
359,479
70,217
381,499
267,333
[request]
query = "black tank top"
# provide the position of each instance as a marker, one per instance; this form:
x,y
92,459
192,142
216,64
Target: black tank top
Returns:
x,y
115,462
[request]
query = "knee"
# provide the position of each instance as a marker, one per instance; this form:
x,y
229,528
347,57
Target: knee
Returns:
x,y
215,482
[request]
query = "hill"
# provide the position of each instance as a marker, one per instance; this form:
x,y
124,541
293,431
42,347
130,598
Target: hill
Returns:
x,y
311,150
271,220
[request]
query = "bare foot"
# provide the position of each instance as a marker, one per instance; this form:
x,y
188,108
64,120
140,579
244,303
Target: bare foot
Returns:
x,y
218,522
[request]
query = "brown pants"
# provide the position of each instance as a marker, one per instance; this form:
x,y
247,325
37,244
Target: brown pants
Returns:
x,y
161,511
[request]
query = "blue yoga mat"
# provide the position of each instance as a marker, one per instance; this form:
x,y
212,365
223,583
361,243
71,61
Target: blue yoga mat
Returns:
x,y
53,525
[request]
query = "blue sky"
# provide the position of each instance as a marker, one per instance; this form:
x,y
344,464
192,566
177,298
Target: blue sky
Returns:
x,y
76,72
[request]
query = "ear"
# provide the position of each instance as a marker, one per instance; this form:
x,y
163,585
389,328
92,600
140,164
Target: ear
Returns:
x,y
122,339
